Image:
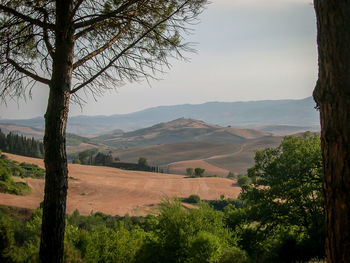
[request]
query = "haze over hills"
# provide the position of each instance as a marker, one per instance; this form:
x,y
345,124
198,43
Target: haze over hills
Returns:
x,y
250,114
183,143
179,130
179,144
172,136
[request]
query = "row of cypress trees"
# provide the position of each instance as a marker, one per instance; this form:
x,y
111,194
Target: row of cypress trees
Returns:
x,y
19,144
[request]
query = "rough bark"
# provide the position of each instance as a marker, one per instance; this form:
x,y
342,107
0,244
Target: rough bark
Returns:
x,y
332,94
56,180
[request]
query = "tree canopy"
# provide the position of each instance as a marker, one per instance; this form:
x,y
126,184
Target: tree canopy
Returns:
x,y
284,201
114,41
82,45
287,181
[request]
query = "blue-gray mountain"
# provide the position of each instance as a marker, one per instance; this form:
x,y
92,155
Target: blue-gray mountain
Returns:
x,y
250,114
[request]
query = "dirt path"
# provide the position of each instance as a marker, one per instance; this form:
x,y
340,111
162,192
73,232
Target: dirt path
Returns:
x,y
180,167
114,191
226,155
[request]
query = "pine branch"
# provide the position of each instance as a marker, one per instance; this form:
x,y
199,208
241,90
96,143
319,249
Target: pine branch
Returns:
x,y
26,72
27,18
101,49
104,17
126,49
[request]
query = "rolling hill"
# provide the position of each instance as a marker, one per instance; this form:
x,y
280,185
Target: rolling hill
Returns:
x,y
179,130
219,157
238,114
183,143
117,192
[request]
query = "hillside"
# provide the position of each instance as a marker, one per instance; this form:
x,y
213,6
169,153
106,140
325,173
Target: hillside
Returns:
x,y
219,157
183,143
179,130
283,130
117,192
22,129
238,114
75,143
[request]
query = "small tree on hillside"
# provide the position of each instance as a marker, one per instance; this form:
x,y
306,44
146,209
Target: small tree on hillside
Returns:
x,y
189,171
142,162
231,175
199,172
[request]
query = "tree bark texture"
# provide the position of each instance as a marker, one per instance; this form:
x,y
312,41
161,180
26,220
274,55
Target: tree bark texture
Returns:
x,y
56,180
332,95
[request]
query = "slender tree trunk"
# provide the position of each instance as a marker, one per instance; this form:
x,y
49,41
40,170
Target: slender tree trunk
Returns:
x,y
332,94
56,180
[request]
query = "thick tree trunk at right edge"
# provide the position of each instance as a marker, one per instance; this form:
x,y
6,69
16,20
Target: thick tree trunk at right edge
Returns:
x,y
332,94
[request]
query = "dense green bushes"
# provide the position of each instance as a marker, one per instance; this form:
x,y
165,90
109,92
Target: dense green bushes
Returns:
x,y
277,218
192,199
282,219
9,168
176,235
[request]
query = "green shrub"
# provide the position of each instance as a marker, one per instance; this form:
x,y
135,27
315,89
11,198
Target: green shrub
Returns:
x,y
190,171
231,175
204,247
76,161
31,170
234,255
192,199
244,180
17,188
199,172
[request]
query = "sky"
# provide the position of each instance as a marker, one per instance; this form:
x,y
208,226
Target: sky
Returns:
x,y
246,50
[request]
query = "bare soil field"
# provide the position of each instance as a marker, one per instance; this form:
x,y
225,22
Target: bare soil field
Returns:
x,y
117,192
22,129
210,169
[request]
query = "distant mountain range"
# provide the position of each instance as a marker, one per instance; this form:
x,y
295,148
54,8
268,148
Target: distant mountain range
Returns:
x,y
250,114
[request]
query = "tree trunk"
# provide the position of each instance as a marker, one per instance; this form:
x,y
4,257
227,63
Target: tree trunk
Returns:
x,y
332,94
56,180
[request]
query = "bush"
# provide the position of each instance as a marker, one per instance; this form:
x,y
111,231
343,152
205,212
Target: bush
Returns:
x,y
199,172
31,170
244,180
204,247
76,161
231,175
189,172
142,162
192,199
234,255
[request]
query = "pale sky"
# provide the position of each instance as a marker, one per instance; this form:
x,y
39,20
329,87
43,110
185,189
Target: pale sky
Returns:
x,y
246,50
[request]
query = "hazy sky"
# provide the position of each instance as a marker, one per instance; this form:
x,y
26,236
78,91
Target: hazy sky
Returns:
x,y
247,50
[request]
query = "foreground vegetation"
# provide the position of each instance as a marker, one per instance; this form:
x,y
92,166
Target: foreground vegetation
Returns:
x,y
277,218
10,168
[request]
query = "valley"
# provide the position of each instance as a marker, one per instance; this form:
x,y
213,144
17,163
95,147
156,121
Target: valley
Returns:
x,y
117,192
181,143
217,136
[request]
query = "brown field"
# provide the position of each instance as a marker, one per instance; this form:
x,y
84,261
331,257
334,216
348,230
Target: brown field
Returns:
x,y
117,192
83,146
180,167
23,129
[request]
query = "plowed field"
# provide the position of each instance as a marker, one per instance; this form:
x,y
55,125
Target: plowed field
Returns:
x,y
117,192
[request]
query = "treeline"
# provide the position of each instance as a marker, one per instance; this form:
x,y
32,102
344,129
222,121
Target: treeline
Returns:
x,y
94,157
141,165
21,145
